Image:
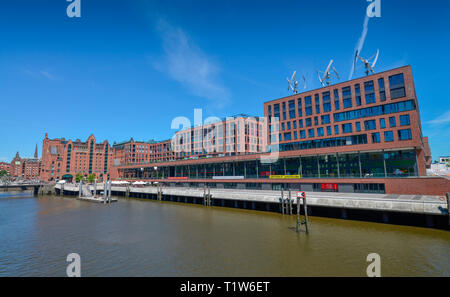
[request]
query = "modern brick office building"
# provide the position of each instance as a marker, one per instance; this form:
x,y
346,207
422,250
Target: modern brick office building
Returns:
x,y
362,135
367,127
63,159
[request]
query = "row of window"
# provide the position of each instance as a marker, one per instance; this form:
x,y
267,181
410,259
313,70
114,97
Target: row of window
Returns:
x,y
397,90
403,134
346,128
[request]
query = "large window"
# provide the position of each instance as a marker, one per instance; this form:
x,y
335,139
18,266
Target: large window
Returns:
x,y
401,163
404,120
319,131
358,126
370,125
369,91
325,119
269,110
336,99
381,89
322,143
287,136
382,123
336,129
308,122
326,98
404,134
317,101
372,164
397,86
276,111
299,106
347,97
388,136
349,165
374,111
376,137
308,105
311,133
292,109
358,94
392,122
347,128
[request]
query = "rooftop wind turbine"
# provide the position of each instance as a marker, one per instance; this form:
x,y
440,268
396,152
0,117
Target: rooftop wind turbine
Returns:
x,y
366,62
293,83
327,74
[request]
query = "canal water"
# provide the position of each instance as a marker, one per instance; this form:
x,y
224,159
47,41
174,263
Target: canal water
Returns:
x,y
152,238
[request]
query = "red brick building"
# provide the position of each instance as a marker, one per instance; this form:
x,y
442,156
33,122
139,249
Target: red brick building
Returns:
x,y
27,168
5,166
362,135
237,135
64,159
374,118
141,152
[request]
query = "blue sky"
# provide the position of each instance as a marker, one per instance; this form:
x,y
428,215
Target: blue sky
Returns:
x,y
127,68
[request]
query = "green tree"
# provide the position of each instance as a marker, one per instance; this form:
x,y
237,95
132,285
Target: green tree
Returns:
x,y
91,178
79,177
3,173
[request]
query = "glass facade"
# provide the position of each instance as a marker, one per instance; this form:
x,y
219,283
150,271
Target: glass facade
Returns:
x,y
374,111
339,165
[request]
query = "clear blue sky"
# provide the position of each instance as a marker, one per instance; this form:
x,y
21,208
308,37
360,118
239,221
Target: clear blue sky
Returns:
x,y
127,68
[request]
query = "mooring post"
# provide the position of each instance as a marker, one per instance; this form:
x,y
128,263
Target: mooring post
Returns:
x,y
62,190
109,192
290,203
204,194
448,207
282,202
105,189
80,189
305,208
298,214
95,188
209,196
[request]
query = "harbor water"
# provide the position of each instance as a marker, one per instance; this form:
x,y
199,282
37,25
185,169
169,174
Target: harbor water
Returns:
x,y
152,238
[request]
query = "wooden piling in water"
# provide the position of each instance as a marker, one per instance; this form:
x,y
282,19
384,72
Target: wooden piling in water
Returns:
x,y
448,208
290,203
305,208
298,215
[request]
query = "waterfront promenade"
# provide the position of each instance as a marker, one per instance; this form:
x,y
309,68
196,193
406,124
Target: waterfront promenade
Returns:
x,y
417,204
